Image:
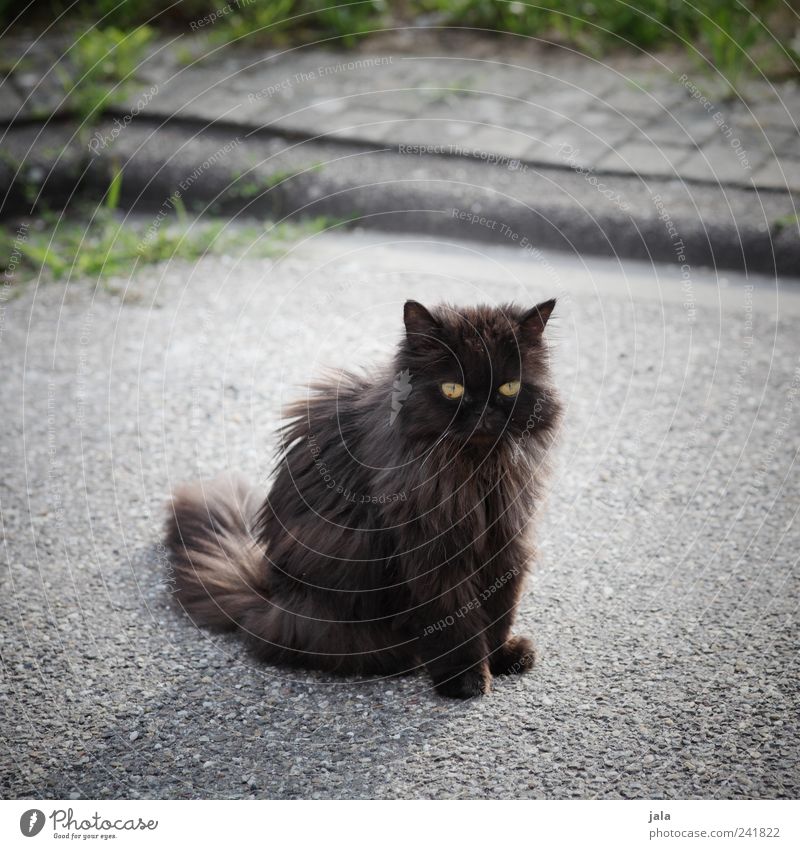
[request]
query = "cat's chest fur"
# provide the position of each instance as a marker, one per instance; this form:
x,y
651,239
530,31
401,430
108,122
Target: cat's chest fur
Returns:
x,y
467,513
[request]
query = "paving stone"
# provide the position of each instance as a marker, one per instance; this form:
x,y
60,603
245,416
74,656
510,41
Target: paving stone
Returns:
x,y
10,102
42,95
757,144
628,114
664,91
717,162
547,152
410,102
779,141
193,94
511,143
778,111
503,80
636,103
679,128
440,127
565,102
320,117
537,119
645,158
365,124
789,146
778,174
586,146
498,111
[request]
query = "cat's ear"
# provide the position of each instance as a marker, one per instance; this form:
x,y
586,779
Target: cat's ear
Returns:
x,y
420,324
533,322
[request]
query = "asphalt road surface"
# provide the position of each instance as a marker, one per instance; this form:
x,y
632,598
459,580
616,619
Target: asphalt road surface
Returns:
x,y
664,604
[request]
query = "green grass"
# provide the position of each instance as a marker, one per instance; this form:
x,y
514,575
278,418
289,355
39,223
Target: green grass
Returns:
x,y
112,39
248,186
786,222
111,244
726,32
100,68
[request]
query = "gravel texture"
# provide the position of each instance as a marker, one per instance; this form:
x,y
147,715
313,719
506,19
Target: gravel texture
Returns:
x,y
664,604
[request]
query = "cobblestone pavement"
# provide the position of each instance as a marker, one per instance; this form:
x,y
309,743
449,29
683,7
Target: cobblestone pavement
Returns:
x,y
518,103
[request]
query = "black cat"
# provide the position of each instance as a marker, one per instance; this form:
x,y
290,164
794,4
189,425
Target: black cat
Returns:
x,y
396,532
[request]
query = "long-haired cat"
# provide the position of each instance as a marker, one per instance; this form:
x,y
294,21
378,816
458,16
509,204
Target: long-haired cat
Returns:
x,y
396,532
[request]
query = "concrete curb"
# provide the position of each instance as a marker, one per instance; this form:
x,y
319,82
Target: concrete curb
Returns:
x,y
233,171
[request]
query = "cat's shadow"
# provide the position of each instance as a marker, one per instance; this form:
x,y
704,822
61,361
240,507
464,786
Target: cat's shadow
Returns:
x,y
207,704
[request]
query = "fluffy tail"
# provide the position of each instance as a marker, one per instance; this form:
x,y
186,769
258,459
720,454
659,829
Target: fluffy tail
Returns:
x,y
219,571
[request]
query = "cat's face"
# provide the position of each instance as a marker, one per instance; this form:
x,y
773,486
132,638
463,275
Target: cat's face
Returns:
x,y
478,377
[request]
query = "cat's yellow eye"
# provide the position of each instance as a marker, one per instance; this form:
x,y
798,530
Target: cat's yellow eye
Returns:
x,y
509,389
453,391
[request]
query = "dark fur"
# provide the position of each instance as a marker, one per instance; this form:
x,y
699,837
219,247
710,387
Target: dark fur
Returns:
x,y
414,548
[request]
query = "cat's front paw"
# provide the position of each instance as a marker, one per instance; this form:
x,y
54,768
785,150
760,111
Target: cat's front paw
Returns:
x,y
466,685
515,656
